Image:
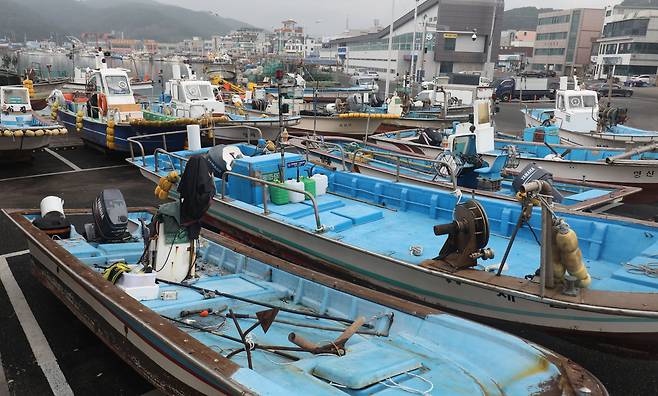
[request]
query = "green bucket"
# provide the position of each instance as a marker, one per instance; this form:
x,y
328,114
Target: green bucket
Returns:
x,y
309,185
278,196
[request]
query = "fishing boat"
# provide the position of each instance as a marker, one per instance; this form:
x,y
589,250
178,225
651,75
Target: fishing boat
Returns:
x,y
106,114
459,174
387,234
538,145
22,130
218,317
583,122
185,96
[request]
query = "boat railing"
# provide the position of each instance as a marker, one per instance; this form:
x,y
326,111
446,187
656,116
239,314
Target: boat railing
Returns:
x,y
318,224
249,128
181,160
321,144
435,163
135,140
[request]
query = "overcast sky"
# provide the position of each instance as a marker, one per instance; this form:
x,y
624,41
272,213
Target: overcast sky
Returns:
x,y
328,17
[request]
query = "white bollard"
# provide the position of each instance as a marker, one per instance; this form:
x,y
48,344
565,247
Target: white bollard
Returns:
x,y
193,137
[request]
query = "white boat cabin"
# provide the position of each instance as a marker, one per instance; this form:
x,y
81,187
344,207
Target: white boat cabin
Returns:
x,y
481,139
110,93
189,97
16,108
576,109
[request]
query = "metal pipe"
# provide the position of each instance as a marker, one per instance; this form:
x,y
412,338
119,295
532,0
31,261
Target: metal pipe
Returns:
x,y
546,253
628,154
390,48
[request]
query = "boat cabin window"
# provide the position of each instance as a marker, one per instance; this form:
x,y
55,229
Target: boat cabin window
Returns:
x,y
464,145
579,102
198,92
560,102
117,85
94,84
483,113
15,96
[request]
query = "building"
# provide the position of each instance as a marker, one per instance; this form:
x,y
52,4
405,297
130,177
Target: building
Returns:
x,y
629,42
517,38
289,37
451,36
564,40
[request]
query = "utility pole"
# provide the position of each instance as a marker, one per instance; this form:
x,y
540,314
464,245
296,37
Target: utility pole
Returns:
x,y
412,66
390,48
422,50
489,66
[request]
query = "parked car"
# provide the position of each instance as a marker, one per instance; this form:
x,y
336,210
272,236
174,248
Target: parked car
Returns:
x,y
602,89
372,73
641,80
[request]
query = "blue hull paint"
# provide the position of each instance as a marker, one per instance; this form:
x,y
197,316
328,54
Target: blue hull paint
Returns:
x,y
95,132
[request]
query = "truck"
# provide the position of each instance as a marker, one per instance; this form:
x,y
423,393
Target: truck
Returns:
x,y
529,87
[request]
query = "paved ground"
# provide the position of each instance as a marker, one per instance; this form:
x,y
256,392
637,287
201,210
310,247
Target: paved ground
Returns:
x,y
45,350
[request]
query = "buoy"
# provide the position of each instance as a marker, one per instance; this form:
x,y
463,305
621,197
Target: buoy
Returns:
x,y
39,132
172,176
18,133
63,131
8,133
29,133
165,184
571,255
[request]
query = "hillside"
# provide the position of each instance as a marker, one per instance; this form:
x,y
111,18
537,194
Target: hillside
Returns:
x,y
144,19
523,18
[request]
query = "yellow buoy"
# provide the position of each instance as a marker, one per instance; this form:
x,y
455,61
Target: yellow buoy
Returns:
x,y
165,184
172,177
8,133
163,195
29,133
18,133
571,255
63,131
39,132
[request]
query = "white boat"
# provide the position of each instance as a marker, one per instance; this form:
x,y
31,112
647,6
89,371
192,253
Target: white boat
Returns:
x,y
582,122
21,129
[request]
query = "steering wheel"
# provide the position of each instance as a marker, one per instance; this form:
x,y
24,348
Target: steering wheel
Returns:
x,y
575,101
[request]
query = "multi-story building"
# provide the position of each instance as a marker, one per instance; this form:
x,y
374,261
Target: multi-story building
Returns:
x,y
517,38
289,31
564,39
629,42
451,36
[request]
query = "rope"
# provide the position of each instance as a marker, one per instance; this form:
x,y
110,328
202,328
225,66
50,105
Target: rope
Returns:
x,y
408,389
648,269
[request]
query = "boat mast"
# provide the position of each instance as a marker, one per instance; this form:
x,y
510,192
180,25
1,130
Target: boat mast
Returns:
x,y
390,47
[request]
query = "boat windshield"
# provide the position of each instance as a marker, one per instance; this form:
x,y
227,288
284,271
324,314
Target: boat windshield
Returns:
x,y
578,102
117,85
16,96
198,92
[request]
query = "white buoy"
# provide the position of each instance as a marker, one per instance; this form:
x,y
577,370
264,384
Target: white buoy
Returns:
x,y
51,204
193,137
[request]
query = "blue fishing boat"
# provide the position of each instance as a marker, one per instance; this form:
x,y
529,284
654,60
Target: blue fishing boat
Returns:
x,y
106,114
499,178
213,316
480,258
22,130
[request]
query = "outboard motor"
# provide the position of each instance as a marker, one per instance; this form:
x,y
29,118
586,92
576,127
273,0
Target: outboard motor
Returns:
x,y
535,172
435,137
110,218
53,221
221,158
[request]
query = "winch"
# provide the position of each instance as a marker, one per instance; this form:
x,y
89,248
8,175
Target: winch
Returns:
x,y
468,236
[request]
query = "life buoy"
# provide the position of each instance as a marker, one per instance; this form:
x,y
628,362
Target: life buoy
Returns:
x,y
102,103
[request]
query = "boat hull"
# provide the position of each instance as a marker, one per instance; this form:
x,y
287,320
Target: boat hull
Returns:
x,y
94,132
20,148
336,126
438,289
409,123
593,139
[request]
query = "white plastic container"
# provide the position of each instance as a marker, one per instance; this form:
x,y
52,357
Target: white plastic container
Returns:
x,y
294,197
321,184
193,137
51,204
139,285
177,263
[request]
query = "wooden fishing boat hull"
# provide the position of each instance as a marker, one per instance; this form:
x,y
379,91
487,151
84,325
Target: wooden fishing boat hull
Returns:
x,y
336,126
435,123
170,359
94,132
616,196
593,139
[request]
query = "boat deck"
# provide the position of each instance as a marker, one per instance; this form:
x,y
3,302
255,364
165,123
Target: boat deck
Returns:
x,y
395,345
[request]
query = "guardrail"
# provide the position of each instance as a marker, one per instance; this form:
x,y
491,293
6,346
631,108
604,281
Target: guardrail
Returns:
x,y
318,225
320,144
